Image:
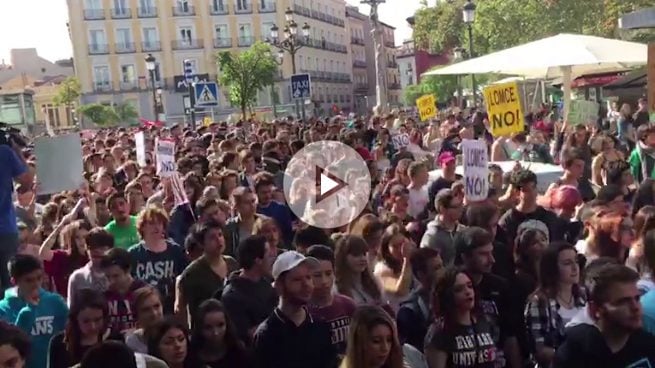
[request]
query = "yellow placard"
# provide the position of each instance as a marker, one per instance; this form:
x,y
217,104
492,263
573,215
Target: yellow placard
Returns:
x,y
427,107
207,121
504,108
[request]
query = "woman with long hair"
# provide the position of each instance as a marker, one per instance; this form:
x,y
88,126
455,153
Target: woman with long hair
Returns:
x,y
558,298
373,340
369,228
610,235
148,310
456,309
393,269
644,221
353,277
88,325
168,340
213,340
606,155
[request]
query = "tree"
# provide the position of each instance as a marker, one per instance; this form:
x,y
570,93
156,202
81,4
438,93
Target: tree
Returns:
x,y
99,114
69,92
441,86
126,113
246,73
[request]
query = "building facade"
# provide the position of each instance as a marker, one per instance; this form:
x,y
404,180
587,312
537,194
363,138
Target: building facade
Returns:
x,y
112,38
394,91
363,60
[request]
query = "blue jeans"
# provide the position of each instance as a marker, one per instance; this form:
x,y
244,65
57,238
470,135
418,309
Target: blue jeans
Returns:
x,y
8,248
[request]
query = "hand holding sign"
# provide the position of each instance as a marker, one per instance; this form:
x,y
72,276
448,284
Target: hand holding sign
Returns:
x,y
165,158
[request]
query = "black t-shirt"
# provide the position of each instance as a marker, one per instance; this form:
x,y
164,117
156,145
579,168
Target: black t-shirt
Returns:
x,y
474,345
496,304
543,219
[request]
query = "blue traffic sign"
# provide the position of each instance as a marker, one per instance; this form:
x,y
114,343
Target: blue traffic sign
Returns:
x,y
206,94
301,86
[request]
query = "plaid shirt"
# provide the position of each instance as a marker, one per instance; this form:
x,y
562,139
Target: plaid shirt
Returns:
x,y
543,322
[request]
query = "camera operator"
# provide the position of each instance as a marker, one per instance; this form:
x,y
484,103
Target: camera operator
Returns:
x,y
13,168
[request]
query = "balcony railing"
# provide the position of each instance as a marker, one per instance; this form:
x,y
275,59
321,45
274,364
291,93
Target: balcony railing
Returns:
x,y
302,10
245,41
102,86
184,10
223,42
359,64
392,64
187,44
94,14
356,41
267,7
361,87
125,47
218,9
318,15
149,12
121,13
326,45
242,7
151,46
98,49
129,85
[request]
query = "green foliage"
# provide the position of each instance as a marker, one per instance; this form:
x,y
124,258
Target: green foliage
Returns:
x,y
126,113
246,73
99,114
439,27
441,86
68,92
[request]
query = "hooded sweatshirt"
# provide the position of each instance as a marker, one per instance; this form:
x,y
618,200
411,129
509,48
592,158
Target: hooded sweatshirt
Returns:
x,y
248,303
41,322
585,346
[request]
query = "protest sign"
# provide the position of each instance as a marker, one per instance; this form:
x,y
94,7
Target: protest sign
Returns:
x,y
165,156
476,169
582,112
400,141
504,109
427,108
650,78
140,141
58,163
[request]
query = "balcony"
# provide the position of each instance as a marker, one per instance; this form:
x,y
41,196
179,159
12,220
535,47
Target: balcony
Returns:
x,y
184,11
98,49
218,9
222,43
360,64
357,41
302,10
392,64
394,86
102,86
121,13
267,7
94,14
129,85
360,88
318,15
187,44
149,12
245,41
124,47
150,46
242,7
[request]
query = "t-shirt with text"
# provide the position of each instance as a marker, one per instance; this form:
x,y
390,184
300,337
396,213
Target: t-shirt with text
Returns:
x,y
474,345
337,316
121,315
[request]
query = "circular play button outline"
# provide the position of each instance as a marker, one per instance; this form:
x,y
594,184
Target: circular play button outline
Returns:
x,y
327,184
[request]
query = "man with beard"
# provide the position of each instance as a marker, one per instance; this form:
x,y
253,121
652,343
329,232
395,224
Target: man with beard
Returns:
x,y
122,226
616,338
290,337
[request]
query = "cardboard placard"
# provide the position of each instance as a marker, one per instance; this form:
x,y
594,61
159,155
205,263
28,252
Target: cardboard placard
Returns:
x,y
476,169
427,107
504,108
58,163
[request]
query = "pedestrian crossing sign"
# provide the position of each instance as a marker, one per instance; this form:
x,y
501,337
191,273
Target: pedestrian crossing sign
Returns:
x,y
206,94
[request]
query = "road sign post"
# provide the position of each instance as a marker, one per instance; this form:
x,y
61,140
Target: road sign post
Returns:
x,y
188,77
301,89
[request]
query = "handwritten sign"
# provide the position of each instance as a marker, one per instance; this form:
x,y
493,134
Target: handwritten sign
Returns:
x,y
582,112
140,142
400,140
165,156
427,108
476,169
58,163
504,109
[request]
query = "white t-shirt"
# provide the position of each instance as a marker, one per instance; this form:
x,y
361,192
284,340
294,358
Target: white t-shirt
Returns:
x,y
418,199
567,314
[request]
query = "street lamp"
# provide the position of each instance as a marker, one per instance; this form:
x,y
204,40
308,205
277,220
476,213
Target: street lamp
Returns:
x,y
290,42
468,16
151,65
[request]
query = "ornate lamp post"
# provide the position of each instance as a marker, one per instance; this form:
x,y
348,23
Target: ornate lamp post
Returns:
x,y
468,15
290,42
151,65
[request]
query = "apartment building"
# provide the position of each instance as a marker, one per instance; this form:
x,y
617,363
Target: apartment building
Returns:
x,y
363,60
394,89
112,38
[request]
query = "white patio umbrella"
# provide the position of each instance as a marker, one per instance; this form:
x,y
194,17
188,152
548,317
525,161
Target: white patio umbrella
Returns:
x,y
565,55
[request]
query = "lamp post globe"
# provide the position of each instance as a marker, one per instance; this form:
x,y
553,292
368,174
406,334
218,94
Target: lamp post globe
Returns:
x,y
468,12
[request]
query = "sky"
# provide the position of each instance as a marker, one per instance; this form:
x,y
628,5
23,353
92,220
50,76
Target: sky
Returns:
x,y
42,24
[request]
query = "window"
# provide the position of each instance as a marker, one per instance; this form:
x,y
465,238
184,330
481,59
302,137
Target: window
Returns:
x,y
121,6
147,6
97,37
186,35
183,6
194,66
124,37
101,77
128,73
266,30
93,4
150,37
245,30
218,5
242,5
220,32
51,113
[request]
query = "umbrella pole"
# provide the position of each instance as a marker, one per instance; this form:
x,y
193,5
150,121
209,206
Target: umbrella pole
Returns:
x,y
566,83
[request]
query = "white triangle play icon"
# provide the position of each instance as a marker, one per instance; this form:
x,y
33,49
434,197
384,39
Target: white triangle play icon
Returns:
x,y
327,184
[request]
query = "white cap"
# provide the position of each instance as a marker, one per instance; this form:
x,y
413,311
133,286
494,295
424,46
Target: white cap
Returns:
x,y
289,260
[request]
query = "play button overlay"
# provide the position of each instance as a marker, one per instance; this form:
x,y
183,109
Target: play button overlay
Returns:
x,y
327,184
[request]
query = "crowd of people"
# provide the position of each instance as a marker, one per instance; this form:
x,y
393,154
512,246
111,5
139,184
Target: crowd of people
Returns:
x,y
134,270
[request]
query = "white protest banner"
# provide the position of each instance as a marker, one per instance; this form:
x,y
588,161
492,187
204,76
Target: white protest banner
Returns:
x,y
165,154
58,163
140,141
400,140
476,169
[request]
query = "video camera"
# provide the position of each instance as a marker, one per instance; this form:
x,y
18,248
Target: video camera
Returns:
x,y
9,134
